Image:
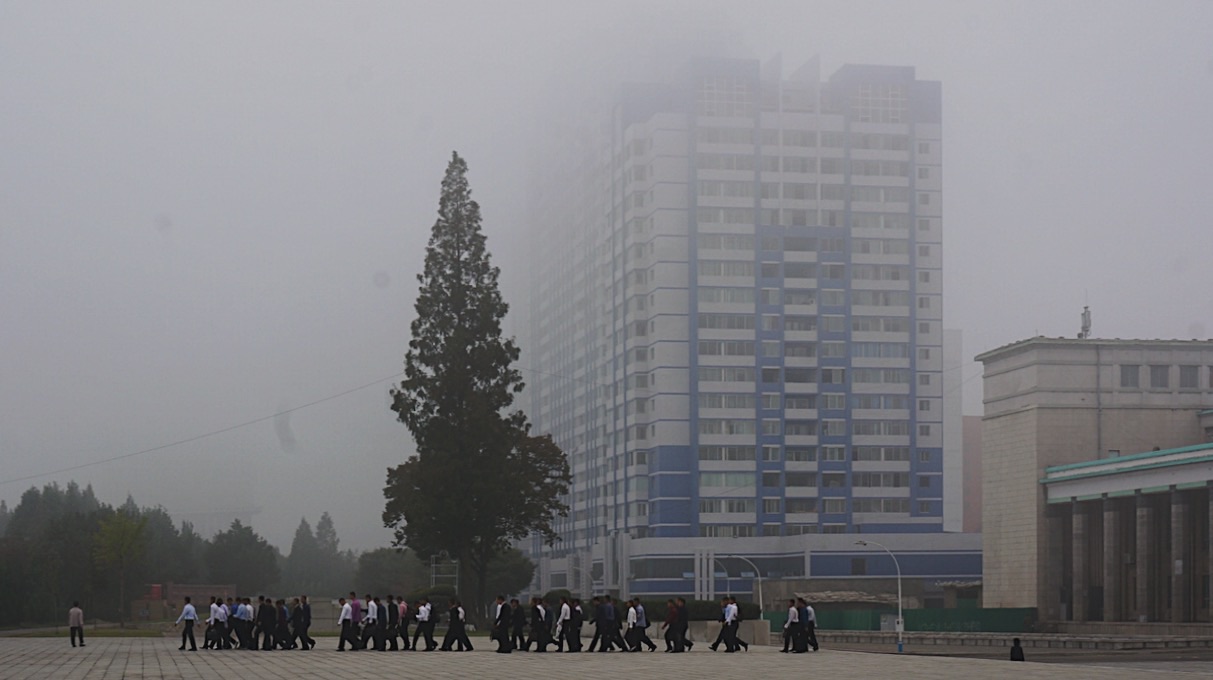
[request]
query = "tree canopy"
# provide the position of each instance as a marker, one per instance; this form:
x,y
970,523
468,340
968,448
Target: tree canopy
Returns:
x,y
479,479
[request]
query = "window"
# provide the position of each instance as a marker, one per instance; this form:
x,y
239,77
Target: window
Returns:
x,y
924,507
771,506
771,480
924,251
924,224
800,454
923,303
924,456
924,379
924,430
833,428
770,530
834,453
1189,377
726,479
1160,377
924,147
924,353
924,327
770,453
800,505
924,404
1129,375
924,173
924,482
833,401
859,566
771,427
726,453
833,505
924,277
726,505
800,479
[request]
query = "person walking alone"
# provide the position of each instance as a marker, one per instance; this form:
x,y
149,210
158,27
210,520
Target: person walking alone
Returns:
x,y
188,616
75,621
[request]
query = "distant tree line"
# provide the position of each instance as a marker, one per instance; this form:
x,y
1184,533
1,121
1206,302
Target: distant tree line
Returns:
x,y
61,544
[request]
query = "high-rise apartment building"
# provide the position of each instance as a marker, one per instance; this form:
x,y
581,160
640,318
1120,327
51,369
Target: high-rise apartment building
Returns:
x,y
736,329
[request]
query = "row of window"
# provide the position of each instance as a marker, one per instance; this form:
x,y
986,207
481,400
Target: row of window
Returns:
x,y
806,138
795,479
1160,376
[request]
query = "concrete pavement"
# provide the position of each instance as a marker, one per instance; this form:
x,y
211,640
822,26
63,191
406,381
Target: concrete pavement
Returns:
x,y
139,658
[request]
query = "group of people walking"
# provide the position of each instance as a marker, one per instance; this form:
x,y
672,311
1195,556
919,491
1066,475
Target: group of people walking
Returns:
x,y
800,630
383,625
238,624
377,624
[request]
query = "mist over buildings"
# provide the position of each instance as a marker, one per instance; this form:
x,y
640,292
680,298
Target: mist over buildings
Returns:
x,y
210,214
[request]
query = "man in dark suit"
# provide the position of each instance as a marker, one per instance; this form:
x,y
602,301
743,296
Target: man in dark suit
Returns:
x,y
267,620
307,623
298,636
518,640
393,621
684,623
501,626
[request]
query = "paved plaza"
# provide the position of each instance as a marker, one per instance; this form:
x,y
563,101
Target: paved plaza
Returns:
x,y
137,658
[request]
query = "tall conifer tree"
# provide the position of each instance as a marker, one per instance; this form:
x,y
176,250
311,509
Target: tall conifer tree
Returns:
x,y
478,479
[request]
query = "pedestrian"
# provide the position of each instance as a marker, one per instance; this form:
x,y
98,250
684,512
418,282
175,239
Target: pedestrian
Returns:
x,y
518,623
576,617
791,627
670,626
810,626
502,617
684,623
631,638
406,619
75,622
267,619
307,623
188,617
1016,650
370,624
427,619
346,621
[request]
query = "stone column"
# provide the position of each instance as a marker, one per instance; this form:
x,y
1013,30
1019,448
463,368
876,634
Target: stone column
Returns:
x,y
1078,544
1180,568
1144,557
1113,559
1054,562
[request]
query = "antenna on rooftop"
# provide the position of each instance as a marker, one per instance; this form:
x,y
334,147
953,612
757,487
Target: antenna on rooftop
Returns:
x,y
1086,323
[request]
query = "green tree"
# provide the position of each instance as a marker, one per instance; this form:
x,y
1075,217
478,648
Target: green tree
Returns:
x,y
510,573
390,570
4,515
121,541
478,479
241,557
303,570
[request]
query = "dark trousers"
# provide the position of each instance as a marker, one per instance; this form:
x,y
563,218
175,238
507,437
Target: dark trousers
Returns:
x,y
572,637
791,636
371,633
300,637
810,633
425,629
502,635
404,635
347,635
187,633
392,632
77,632
518,639
683,634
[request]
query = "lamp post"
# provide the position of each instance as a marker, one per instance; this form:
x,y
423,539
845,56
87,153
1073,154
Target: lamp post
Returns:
x,y
900,621
758,575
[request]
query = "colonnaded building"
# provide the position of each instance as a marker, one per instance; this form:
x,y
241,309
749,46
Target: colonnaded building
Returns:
x,y
736,331
1097,461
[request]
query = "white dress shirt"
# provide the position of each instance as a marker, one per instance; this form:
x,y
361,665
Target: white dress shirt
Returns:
x,y
347,614
793,617
730,613
462,614
565,613
631,617
371,615
423,612
810,614
188,613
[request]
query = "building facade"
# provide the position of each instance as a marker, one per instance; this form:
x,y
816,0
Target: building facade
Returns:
x,y
736,329
1058,411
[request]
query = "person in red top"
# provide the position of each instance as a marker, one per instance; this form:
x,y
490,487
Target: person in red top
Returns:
x,y
673,641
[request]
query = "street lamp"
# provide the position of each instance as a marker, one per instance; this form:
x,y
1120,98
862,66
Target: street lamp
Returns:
x,y
900,621
758,574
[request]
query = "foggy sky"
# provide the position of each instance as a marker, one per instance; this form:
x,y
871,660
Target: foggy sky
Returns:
x,y
212,212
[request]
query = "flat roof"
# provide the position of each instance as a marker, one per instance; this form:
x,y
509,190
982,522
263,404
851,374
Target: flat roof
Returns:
x,y
1145,456
1043,341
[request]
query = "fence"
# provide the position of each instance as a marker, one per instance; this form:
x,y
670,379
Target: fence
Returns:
x,y
925,620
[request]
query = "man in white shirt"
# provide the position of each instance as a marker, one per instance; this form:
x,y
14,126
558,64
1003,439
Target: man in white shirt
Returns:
x,y
370,621
564,626
425,626
810,625
730,626
346,621
631,637
189,615
791,627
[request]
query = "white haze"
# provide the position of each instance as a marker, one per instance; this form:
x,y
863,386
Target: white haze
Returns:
x,y
212,212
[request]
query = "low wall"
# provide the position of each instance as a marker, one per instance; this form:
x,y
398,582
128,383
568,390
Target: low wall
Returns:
x,y
753,632
1132,628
